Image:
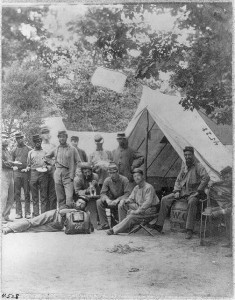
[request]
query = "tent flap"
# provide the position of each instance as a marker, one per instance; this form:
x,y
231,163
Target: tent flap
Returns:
x,y
181,128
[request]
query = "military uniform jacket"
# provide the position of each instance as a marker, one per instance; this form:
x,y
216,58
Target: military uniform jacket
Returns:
x,y
191,180
126,160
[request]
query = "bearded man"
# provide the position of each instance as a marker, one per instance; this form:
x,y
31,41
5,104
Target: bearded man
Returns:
x,y
190,185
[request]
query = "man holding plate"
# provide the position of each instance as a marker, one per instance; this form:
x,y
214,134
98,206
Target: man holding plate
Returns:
x,y
21,175
39,175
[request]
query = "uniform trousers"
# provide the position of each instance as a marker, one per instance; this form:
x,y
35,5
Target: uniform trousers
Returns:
x,y
101,206
39,182
7,191
49,221
166,204
21,180
126,224
63,187
51,194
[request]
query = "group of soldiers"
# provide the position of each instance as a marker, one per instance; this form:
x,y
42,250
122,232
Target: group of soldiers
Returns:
x,y
64,174
54,174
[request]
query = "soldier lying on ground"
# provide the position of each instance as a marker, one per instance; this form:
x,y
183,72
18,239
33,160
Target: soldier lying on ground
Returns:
x,y
50,221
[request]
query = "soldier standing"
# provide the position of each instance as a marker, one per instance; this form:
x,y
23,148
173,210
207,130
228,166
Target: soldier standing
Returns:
x,y
7,180
48,146
39,175
66,161
21,176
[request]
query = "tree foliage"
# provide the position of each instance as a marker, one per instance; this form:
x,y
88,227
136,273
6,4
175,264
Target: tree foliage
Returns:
x,y
16,43
118,37
23,92
201,67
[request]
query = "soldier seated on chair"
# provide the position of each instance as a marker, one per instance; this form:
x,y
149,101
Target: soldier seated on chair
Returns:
x,y
140,204
115,188
220,194
189,186
86,183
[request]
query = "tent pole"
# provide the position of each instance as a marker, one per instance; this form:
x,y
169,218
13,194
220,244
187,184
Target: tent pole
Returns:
x,y
146,146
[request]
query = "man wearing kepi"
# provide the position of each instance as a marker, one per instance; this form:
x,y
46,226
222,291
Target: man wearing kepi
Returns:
x,y
190,185
100,159
140,204
115,188
74,141
7,187
48,146
21,176
126,158
39,175
66,160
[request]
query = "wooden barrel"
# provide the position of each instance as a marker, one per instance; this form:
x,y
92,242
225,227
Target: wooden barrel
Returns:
x,y
178,215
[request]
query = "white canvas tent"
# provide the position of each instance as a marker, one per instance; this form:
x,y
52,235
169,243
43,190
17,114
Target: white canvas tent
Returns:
x,y
86,138
170,128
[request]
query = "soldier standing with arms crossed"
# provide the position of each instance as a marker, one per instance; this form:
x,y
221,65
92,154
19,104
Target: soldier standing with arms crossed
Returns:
x,y
48,146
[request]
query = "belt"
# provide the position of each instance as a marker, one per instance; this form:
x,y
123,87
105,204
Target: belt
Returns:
x,y
61,167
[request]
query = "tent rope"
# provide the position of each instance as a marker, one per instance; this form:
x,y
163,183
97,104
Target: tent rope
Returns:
x,y
171,166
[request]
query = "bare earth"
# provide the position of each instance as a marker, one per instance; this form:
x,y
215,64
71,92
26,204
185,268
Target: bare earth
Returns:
x,y
58,266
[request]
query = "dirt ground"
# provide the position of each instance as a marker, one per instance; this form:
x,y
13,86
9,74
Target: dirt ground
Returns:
x,y
58,266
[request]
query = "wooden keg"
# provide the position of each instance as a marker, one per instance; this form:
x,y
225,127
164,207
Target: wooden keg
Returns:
x,y
178,215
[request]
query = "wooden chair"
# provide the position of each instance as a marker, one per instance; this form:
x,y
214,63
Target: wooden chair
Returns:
x,y
208,215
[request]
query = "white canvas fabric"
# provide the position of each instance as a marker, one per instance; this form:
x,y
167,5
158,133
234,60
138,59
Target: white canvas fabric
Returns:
x,y
182,128
109,79
86,138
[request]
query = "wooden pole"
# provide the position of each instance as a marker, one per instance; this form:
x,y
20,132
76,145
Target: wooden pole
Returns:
x,y
146,145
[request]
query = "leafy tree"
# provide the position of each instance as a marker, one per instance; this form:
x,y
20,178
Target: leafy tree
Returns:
x,y
206,78
201,66
86,107
23,33
23,90
24,36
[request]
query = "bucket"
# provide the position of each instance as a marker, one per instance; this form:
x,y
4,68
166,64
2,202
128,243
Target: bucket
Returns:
x,y
178,216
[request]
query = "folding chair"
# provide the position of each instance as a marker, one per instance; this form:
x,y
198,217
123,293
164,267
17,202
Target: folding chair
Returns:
x,y
144,223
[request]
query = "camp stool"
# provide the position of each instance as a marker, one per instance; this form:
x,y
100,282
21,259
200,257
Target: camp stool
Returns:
x,y
144,223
